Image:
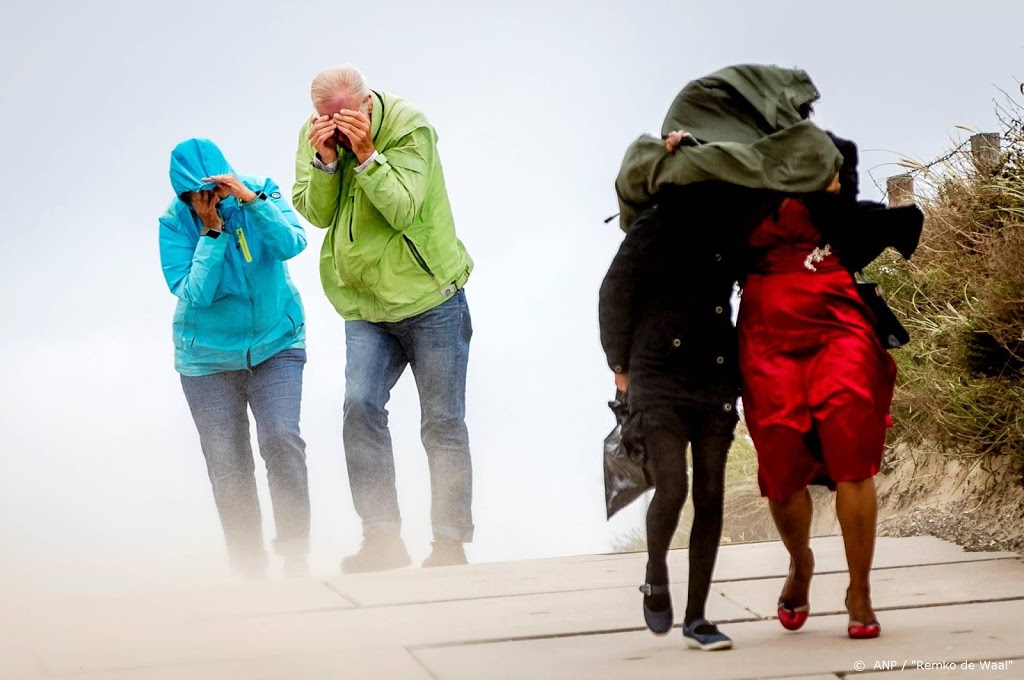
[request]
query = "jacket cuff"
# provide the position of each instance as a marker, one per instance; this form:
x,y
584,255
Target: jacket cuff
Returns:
x,y
374,165
321,182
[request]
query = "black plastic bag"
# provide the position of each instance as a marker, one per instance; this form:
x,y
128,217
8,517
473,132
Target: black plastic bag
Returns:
x,y
627,469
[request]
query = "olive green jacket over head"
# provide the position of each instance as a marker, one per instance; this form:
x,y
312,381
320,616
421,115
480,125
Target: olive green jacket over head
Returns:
x,y
748,120
390,251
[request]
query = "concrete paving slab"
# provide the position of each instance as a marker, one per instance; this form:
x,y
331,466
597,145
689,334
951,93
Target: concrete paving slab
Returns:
x,y
227,600
894,588
224,600
113,642
387,664
763,649
735,562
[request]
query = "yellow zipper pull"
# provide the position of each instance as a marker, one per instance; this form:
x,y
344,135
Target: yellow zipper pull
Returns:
x,y
243,244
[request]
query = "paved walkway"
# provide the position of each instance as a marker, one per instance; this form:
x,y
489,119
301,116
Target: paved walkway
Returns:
x,y
574,617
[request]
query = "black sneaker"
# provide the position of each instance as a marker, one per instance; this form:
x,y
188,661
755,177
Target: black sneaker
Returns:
x,y
379,552
446,553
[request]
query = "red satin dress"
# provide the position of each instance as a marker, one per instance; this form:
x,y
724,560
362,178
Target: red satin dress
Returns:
x,y
817,383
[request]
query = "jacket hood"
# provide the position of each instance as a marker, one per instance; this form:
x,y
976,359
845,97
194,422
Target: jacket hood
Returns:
x,y
194,159
741,103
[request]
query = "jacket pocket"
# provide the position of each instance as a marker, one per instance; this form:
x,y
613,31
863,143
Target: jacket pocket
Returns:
x,y
295,316
416,255
351,219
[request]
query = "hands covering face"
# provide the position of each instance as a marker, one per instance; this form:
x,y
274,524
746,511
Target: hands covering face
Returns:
x,y
348,127
205,205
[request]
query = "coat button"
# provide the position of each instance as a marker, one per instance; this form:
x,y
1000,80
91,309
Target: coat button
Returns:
x,y
720,360
727,408
719,310
617,369
718,257
676,342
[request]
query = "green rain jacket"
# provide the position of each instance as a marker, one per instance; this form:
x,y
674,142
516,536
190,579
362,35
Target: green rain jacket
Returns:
x,y
391,251
752,134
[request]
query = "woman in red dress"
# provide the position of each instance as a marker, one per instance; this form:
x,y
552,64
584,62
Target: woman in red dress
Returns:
x,y
817,387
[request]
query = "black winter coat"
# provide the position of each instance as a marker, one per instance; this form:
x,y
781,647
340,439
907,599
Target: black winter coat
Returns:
x,y
664,310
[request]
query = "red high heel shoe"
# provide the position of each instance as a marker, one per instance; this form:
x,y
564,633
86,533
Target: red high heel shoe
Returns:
x,y
793,618
861,631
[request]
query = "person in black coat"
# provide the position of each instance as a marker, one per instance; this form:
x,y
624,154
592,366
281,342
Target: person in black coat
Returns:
x,y
667,331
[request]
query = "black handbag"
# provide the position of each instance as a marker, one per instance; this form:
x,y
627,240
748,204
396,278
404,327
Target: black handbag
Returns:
x,y
888,328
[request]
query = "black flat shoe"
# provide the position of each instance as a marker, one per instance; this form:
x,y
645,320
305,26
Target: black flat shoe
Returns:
x,y
659,623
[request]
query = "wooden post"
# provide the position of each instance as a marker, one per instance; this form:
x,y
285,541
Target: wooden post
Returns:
x,y
900,189
985,151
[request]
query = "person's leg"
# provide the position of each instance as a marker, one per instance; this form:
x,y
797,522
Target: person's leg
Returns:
x,y
786,465
712,436
857,509
665,438
793,517
374,360
275,396
853,432
218,406
437,343
851,406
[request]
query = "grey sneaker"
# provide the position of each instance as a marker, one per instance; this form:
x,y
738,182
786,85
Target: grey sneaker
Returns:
x,y
446,553
379,552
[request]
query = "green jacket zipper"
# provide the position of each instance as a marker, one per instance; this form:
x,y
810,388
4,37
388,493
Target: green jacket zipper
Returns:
x,y
351,214
416,255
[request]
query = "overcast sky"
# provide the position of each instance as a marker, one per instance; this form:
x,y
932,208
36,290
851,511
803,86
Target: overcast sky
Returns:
x,y
535,103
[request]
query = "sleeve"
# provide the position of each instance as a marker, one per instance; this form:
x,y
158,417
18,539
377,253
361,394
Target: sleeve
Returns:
x,y
849,179
619,296
800,159
276,223
316,193
396,182
193,270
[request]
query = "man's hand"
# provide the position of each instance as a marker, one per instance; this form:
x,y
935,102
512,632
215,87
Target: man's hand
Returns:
x,y
622,381
229,185
835,186
355,125
205,205
321,136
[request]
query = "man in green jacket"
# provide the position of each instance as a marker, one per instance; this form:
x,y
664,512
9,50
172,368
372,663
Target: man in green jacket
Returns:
x,y
367,170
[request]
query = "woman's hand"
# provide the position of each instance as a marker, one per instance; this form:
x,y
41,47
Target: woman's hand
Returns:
x,y
205,205
229,185
677,139
835,186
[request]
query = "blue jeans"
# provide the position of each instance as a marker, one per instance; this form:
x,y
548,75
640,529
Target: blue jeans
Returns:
x,y
436,345
273,390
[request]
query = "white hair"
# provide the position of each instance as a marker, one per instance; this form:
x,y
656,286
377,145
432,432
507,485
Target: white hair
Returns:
x,y
331,81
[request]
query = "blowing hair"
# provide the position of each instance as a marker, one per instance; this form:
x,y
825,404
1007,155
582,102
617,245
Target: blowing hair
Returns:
x,y
344,78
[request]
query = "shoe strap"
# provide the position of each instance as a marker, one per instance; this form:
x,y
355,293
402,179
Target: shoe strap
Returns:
x,y
701,622
648,589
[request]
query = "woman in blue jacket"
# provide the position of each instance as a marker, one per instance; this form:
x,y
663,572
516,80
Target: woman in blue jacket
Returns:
x,y
240,343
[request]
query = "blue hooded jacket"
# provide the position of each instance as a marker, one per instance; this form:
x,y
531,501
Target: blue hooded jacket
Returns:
x,y
237,306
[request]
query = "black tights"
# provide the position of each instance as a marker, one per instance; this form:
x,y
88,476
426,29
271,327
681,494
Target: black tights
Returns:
x,y
666,433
